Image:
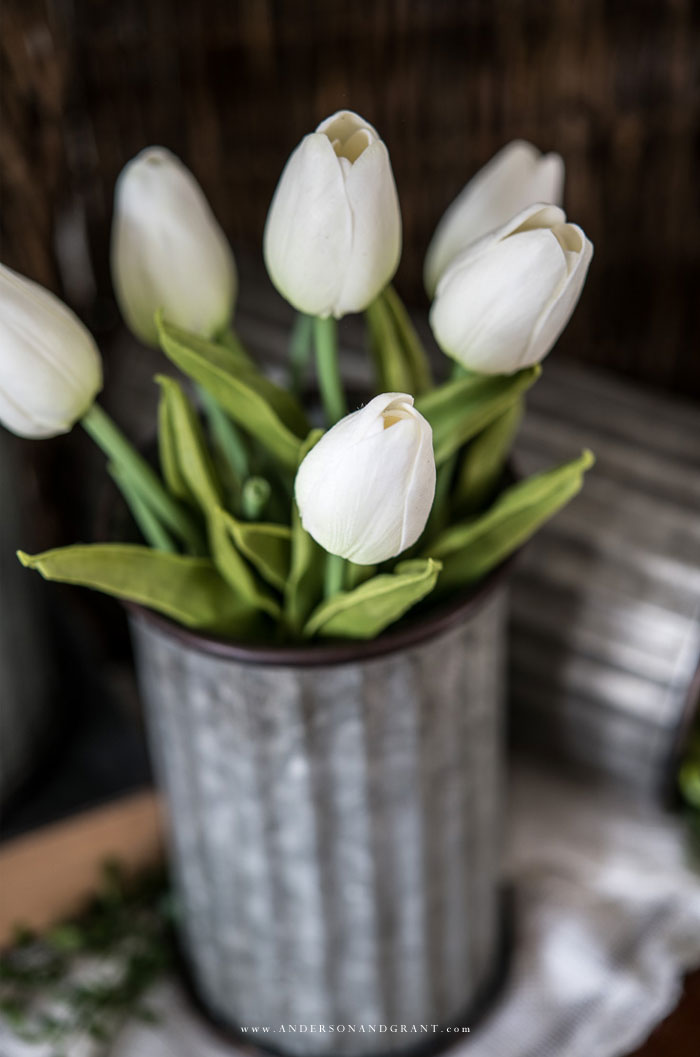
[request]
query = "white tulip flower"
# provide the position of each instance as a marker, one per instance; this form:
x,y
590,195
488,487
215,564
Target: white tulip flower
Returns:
x,y
513,179
50,368
504,301
333,233
168,250
365,490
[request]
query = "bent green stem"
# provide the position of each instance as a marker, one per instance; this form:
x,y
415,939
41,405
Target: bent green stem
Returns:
x,y
151,489
329,380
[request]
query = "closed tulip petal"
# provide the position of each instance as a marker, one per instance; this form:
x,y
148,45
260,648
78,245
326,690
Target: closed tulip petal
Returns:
x,y
50,368
490,305
365,490
376,233
579,252
516,176
168,251
502,302
333,233
308,234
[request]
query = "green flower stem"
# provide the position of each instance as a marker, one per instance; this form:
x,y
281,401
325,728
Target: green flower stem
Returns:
x,y
130,464
148,524
255,497
226,435
334,578
330,384
300,346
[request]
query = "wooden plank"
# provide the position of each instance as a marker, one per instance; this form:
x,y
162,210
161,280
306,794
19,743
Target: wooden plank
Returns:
x,y
48,875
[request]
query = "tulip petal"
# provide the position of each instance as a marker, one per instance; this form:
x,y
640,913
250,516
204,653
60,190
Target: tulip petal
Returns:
x,y
558,313
376,232
50,368
308,234
365,491
515,177
489,302
168,251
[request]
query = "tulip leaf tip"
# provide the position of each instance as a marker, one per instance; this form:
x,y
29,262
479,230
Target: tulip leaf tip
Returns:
x,y
26,559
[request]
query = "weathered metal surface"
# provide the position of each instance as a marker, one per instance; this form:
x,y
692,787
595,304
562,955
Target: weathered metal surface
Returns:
x,y
606,598
335,830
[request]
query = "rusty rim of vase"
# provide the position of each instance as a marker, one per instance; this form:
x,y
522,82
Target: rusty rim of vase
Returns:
x,y
410,631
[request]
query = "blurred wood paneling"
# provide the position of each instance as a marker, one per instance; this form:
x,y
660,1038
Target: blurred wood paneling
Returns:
x,y
232,86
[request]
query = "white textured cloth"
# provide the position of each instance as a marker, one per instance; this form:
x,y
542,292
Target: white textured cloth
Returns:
x,y
607,923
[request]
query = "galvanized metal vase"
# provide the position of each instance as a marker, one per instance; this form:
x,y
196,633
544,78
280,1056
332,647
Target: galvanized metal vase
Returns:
x,y
335,816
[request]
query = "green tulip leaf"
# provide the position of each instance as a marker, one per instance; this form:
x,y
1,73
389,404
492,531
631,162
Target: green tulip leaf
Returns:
x,y
231,357
460,409
367,610
400,360
472,548
190,462
484,461
188,590
393,371
304,586
267,546
358,574
167,452
270,414
414,352
197,471
234,568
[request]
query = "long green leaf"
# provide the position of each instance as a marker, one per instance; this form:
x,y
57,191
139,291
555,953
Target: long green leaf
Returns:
x,y
459,409
231,357
472,548
197,471
192,462
251,400
167,451
304,587
484,461
393,371
414,352
400,361
188,590
366,611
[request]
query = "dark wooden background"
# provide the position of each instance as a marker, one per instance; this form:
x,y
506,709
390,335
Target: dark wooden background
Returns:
x,y
232,86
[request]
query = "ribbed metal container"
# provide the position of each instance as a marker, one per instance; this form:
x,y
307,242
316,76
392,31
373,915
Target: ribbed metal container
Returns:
x,y
335,816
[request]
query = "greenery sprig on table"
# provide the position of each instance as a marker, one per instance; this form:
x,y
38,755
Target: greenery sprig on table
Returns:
x,y
259,525
83,978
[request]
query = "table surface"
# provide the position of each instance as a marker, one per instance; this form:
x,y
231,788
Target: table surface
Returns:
x,y
132,828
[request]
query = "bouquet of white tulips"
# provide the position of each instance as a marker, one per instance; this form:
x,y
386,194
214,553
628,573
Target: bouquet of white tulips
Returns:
x,y
257,525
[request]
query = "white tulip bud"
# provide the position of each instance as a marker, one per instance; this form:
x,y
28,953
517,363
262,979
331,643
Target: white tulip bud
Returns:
x,y
168,251
333,233
504,301
365,490
50,368
516,176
